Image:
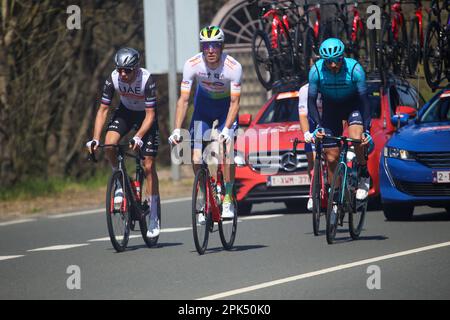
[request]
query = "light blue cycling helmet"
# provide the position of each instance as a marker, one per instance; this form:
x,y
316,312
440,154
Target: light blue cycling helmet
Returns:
x,y
332,48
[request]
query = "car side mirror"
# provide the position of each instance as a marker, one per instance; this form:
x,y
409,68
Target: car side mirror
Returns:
x,y
399,120
245,120
410,111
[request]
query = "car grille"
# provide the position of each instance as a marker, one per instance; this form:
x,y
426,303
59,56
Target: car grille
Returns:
x,y
284,161
424,189
435,159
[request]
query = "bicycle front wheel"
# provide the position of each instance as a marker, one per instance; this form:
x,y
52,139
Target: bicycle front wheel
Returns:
x,y
201,219
118,215
335,199
316,197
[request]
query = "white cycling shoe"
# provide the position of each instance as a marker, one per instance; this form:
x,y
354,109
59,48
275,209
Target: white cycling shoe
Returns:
x,y
153,229
227,209
363,188
309,205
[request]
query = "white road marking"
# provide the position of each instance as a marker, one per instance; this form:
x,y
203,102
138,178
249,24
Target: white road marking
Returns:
x,y
16,222
323,271
60,247
260,217
108,239
167,230
9,257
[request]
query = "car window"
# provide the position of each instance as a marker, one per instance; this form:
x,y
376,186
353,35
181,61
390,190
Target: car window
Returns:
x,y
283,110
407,96
375,103
438,111
394,99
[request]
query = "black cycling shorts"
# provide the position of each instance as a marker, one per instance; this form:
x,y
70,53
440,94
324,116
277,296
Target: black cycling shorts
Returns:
x,y
123,120
332,118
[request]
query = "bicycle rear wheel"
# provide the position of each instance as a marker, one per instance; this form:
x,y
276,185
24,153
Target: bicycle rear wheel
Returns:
x,y
432,58
201,219
118,220
263,59
316,197
414,49
358,213
227,229
335,207
144,222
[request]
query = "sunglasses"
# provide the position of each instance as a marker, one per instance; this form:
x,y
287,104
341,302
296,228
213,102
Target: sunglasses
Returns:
x,y
213,45
335,60
126,70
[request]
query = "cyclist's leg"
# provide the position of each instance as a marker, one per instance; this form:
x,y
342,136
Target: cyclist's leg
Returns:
x,y
333,126
228,161
119,126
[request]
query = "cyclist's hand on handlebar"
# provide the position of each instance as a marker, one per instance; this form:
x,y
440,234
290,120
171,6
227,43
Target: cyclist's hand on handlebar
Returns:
x,y
319,133
92,145
366,138
136,143
307,136
175,137
225,135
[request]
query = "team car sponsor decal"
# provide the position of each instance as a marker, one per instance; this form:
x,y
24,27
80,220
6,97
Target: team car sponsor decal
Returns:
x,y
439,128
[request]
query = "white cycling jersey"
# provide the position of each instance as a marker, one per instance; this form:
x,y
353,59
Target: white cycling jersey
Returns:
x,y
136,96
303,101
223,82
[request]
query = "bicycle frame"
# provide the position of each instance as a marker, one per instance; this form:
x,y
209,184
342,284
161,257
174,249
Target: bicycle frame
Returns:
x,y
211,195
397,19
418,13
277,24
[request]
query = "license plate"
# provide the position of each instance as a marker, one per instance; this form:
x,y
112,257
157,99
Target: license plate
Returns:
x,y
441,176
291,180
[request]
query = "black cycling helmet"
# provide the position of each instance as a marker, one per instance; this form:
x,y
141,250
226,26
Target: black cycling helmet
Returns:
x,y
127,58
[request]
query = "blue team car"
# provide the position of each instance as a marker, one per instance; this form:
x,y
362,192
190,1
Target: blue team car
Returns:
x,y
415,164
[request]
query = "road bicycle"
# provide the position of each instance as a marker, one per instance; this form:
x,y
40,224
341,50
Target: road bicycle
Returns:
x,y
436,61
121,216
342,194
207,200
280,55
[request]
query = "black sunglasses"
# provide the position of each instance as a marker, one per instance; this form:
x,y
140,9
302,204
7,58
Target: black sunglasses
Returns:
x,y
126,70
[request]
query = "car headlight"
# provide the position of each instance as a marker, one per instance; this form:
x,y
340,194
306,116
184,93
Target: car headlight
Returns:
x,y
391,152
239,159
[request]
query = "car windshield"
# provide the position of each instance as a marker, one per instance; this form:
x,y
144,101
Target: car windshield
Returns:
x,y
282,110
438,111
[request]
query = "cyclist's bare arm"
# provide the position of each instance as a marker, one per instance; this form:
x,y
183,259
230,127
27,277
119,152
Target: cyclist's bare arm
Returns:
x,y
100,120
233,111
182,106
147,123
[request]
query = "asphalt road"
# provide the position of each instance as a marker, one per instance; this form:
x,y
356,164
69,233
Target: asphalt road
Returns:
x,y
276,256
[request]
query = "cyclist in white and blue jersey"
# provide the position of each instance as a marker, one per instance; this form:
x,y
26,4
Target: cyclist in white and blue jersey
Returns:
x,y
217,97
342,84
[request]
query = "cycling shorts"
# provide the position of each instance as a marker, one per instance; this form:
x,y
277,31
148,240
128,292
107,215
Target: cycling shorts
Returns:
x,y
123,120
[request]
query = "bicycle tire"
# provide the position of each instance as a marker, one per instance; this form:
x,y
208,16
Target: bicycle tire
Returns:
x,y
433,77
373,49
150,242
361,48
400,59
414,50
118,221
356,218
200,231
228,234
334,206
311,50
384,52
263,59
316,198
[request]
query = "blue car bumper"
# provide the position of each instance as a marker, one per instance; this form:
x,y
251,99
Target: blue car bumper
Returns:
x,y
412,182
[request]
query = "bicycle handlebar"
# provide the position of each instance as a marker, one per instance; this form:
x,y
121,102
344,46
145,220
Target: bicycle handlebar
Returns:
x,y
93,158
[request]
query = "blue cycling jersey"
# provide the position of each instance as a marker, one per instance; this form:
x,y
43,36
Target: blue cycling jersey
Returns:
x,y
348,86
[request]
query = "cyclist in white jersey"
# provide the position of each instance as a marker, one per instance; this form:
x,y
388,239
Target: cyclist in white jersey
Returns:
x,y
305,124
137,110
217,97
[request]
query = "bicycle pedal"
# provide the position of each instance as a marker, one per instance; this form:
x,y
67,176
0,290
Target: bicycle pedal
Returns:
x,y
132,225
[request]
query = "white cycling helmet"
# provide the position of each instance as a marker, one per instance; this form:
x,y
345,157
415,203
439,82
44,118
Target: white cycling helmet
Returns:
x,y
212,33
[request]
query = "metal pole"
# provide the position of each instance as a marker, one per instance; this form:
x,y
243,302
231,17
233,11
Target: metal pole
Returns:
x,y
172,76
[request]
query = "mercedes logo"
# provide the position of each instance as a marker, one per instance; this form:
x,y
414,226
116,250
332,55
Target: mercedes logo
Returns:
x,y
289,161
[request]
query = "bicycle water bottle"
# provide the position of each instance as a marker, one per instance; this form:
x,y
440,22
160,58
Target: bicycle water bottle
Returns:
x,y
137,189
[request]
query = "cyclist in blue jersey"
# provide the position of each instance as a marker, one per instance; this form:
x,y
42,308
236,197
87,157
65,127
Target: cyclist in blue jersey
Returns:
x,y
342,83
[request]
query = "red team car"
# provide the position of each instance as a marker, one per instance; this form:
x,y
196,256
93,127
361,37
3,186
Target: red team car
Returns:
x,y
268,171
